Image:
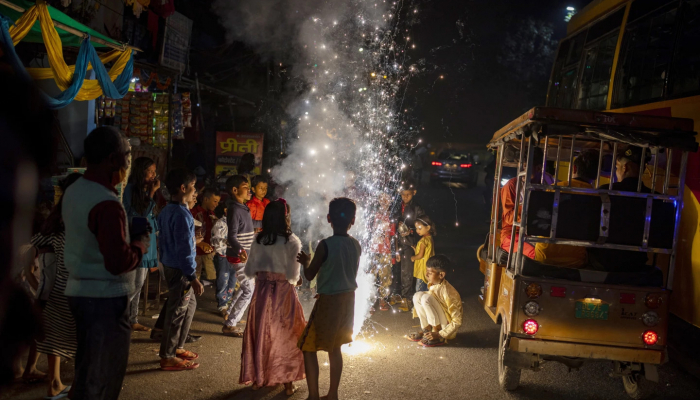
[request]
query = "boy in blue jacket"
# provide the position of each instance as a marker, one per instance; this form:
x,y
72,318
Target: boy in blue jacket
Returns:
x,y
177,245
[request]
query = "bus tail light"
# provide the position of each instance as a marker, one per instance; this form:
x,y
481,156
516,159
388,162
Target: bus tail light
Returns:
x,y
530,326
650,338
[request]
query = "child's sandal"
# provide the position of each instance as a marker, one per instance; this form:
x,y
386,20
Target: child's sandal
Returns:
x,y
415,336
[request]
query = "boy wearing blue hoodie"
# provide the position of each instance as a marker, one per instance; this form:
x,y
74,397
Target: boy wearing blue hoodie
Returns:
x,y
177,245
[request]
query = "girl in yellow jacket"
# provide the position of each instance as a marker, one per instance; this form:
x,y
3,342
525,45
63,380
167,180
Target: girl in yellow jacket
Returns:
x,y
440,308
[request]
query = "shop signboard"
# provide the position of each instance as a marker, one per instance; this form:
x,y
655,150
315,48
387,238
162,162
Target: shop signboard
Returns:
x,y
230,146
176,42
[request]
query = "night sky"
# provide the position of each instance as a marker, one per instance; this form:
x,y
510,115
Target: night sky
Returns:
x,y
490,75
495,56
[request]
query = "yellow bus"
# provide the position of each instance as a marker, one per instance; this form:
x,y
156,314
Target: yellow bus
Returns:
x,y
643,56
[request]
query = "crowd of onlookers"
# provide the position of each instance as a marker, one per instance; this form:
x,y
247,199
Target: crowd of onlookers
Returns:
x,y
88,261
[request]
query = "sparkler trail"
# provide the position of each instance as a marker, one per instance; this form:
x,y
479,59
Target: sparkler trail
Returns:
x,y
351,133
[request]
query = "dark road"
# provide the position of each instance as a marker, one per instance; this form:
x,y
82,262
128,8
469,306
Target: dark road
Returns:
x,y
387,366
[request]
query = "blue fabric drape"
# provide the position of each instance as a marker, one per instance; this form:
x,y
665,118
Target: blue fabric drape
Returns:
x,y
120,86
81,64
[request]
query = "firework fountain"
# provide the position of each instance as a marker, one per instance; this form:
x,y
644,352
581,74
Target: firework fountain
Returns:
x,y
351,135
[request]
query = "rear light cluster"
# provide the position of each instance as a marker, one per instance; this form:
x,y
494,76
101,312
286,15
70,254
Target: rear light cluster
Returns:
x,y
651,318
466,165
437,163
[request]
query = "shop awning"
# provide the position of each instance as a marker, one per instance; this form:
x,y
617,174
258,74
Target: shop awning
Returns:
x,y
67,38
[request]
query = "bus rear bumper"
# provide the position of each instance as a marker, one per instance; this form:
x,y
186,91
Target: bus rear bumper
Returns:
x,y
523,351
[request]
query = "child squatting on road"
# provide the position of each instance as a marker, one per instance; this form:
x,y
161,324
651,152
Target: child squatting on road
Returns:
x,y
336,262
439,309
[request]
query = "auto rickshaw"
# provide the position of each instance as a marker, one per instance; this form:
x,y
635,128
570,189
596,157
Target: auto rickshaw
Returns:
x,y
574,315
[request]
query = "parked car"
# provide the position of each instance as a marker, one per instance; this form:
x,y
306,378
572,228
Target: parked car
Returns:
x,y
454,167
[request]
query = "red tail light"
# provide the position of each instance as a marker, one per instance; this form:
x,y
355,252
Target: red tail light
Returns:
x,y
530,326
628,298
437,163
466,165
557,291
650,338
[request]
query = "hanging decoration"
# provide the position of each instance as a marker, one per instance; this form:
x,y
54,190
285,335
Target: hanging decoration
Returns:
x,y
154,76
137,6
70,79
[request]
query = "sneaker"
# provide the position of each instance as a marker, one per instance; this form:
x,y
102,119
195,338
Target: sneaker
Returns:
x,y
193,338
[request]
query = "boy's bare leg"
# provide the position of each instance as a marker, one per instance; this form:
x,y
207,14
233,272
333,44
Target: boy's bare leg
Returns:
x,y
55,384
311,368
335,357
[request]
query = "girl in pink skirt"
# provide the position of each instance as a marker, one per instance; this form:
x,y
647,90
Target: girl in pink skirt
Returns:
x,y
270,355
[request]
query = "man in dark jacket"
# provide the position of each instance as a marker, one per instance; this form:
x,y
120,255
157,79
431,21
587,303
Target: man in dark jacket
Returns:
x,y
406,214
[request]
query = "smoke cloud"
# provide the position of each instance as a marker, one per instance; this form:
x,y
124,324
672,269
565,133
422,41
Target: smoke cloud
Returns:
x,y
348,128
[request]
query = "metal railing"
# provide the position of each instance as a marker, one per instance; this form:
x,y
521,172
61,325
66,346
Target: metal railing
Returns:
x,y
528,143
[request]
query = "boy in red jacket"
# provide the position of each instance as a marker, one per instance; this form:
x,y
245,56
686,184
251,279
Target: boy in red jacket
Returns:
x,y
258,203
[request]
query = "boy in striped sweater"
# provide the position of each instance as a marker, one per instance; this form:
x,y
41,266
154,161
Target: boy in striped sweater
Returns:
x,y
240,237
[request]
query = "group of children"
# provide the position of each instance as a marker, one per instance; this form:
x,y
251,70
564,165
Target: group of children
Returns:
x,y
335,263
435,301
187,245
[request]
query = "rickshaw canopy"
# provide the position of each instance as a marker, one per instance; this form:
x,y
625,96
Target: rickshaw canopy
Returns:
x,y
632,129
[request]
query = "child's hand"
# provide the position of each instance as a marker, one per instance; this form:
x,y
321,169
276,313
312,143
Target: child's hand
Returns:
x,y
206,247
303,259
243,256
198,287
413,258
433,336
398,257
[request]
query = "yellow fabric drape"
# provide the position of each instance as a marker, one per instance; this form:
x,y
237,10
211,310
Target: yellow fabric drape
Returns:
x,y
61,72
39,74
23,25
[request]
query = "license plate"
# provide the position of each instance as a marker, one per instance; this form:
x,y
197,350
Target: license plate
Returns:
x,y
591,310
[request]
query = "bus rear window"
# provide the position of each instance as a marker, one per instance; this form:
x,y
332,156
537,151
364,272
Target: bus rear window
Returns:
x,y
563,84
646,57
595,79
686,64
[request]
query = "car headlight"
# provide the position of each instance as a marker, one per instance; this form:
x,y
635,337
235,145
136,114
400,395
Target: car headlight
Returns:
x,y
531,308
650,318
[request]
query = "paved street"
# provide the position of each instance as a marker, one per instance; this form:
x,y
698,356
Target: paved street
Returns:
x,y
392,367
